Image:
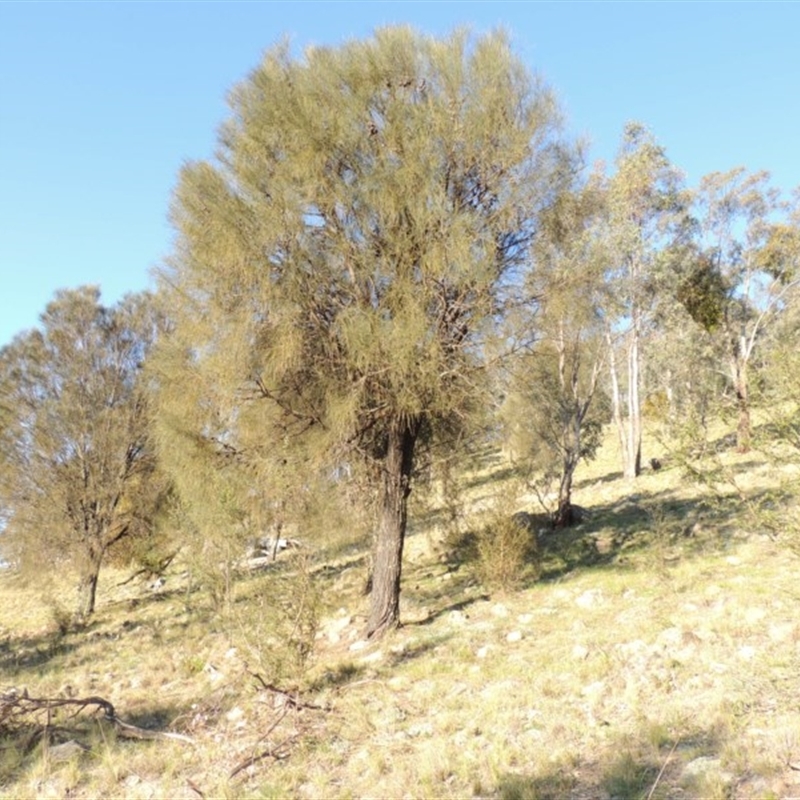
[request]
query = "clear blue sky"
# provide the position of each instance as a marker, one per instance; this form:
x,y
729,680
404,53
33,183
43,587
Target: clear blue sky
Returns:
x,y
100,103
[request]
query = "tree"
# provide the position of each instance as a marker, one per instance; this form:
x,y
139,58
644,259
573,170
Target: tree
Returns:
x,y
549,411
645,208
745,264
339,268
78,469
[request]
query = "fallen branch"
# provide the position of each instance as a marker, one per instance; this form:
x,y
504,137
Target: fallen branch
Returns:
x,y
289,699
270,751
289,702
156,570
18,711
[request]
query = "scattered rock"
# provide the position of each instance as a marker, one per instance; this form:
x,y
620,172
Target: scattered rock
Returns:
x,y
754,615
332,629
589,599
377,655
66,751
482,652
746,653
580,652
604,544
705,770
781,632
514,636
670,637
420,729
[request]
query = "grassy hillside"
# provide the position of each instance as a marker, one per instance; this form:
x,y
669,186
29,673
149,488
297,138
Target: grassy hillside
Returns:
x,y
657,655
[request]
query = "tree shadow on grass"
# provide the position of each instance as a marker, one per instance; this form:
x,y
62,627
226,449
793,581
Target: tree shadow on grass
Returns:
x,y
585,483
37,651
617,532
338,676
161,717
459,605
649,764
416,650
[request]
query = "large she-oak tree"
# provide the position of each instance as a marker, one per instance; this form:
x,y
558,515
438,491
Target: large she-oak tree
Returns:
x,y
341,262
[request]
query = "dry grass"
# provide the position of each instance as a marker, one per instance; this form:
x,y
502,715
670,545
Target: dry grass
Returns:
x,y
656,656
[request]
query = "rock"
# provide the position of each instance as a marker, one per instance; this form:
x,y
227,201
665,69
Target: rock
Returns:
x,y
66,751
604,544
704,771
377,655
754,615
580,652
514,636
589,599
332,630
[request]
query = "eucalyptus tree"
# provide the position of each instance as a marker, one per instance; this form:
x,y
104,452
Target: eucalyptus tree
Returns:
x,y
551,413
340,264
78,470
745,266
646,210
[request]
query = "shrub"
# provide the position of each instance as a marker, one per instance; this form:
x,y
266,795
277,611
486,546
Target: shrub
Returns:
x,y
507,553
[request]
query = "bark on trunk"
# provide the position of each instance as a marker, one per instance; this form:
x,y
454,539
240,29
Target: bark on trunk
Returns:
x,y
633,466
564,516
387,564
743,431
87,590
616,402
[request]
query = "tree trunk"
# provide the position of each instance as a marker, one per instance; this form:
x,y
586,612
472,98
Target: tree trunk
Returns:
x,y
87,589
564,516
385,596
743,404
628,457
633,464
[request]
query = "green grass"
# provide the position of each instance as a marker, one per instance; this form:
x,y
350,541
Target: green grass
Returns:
x,y
661,631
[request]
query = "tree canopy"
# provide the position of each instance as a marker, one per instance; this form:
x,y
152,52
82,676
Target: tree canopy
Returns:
x,y
79,470
342,264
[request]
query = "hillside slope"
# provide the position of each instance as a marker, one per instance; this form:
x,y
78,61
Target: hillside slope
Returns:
x,y
658,655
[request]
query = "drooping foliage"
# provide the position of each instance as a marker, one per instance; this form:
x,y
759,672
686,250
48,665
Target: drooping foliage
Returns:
x,y
342,265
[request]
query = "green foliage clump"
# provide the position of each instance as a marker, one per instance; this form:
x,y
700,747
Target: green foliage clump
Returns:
x,y
507,553
704,293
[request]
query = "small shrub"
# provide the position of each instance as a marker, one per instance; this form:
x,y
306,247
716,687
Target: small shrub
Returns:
x,y
276,626
507,553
